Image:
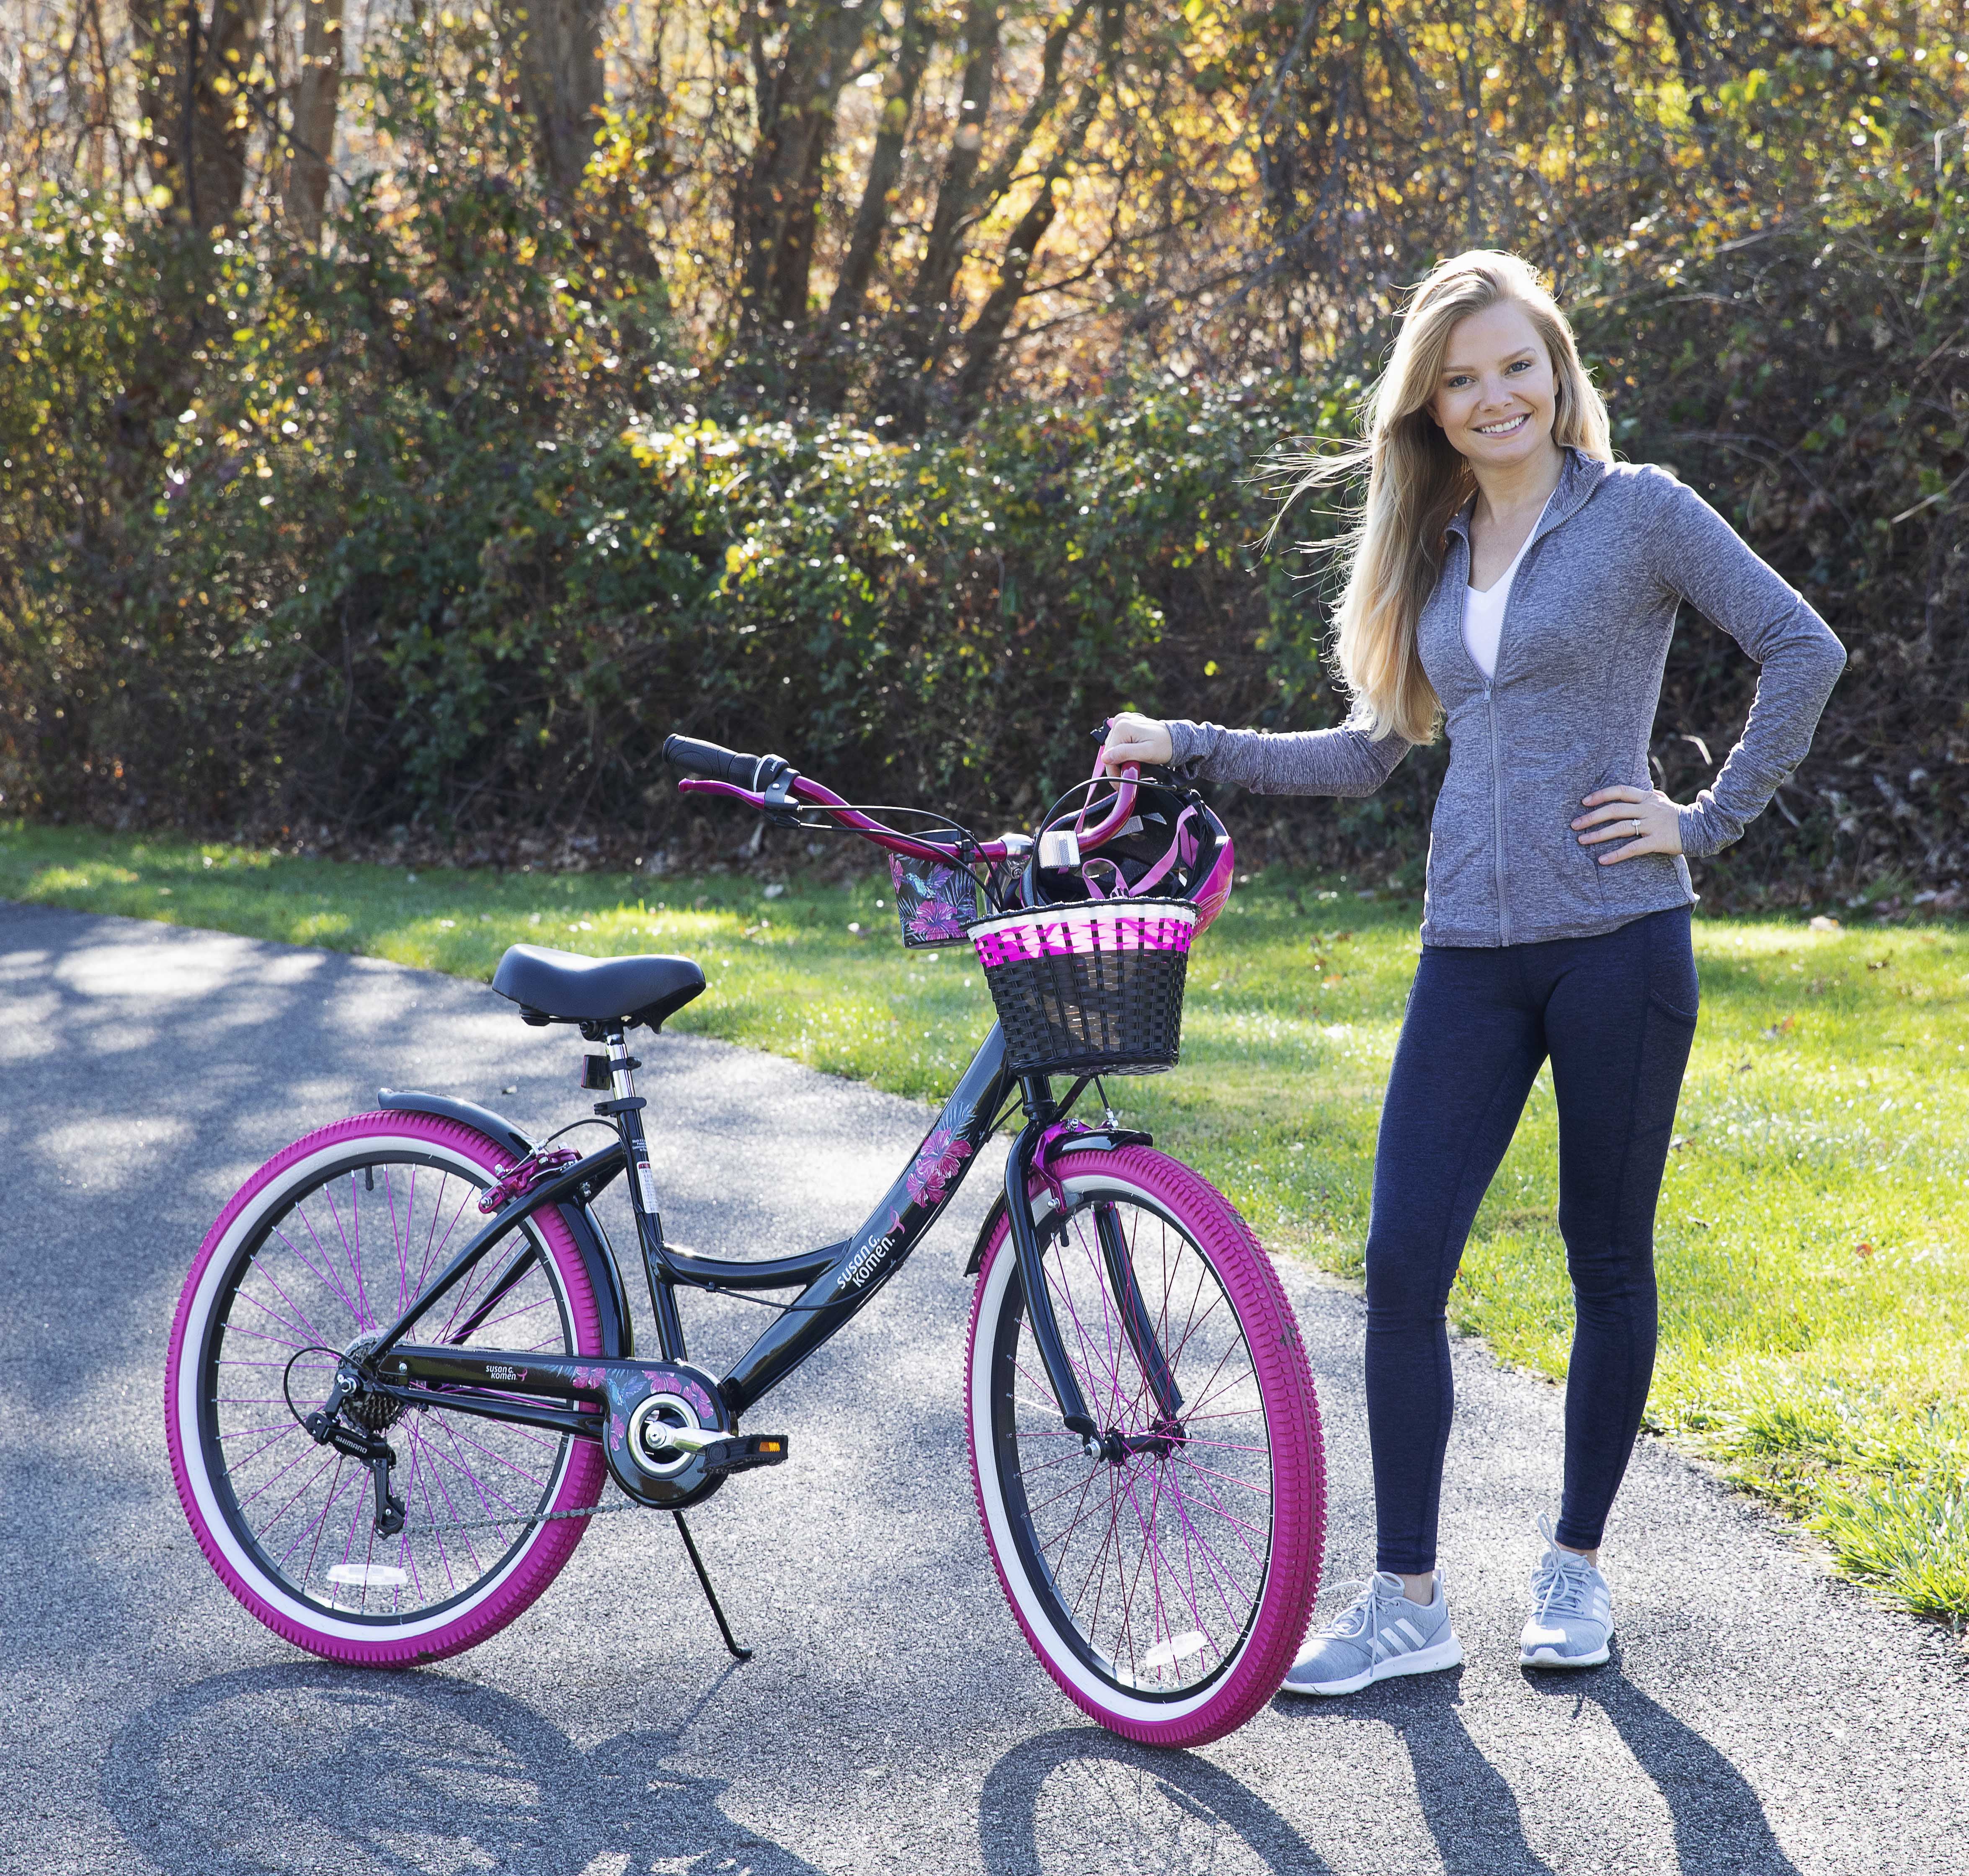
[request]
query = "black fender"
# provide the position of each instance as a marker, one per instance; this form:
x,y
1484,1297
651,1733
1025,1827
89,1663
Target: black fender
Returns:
x,y
1104,1140
597,1260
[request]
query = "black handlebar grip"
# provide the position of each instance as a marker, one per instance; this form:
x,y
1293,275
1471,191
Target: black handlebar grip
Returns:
x,y
755,774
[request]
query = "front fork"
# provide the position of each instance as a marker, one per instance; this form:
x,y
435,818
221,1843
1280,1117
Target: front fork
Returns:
x,y
1120,1269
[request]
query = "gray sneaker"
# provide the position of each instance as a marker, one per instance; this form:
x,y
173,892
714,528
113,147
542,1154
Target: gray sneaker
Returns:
x,y
1379,1634
1572,1611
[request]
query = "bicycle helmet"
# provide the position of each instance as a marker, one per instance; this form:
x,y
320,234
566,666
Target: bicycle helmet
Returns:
x,y
1172,846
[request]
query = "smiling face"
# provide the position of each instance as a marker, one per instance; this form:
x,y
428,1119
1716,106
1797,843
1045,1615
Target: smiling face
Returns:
x,y
1495,397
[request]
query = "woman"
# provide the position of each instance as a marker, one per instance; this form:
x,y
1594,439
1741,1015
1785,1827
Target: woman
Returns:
x,y
1509,578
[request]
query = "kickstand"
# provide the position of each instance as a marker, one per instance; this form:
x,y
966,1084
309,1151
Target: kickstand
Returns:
x,y
710,1594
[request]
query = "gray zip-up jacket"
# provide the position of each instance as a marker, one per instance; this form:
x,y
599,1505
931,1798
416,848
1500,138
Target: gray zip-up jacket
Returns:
x,y
1578,675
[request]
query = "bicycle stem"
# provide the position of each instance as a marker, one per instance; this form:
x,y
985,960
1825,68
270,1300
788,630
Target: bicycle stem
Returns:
x,y
1031,1269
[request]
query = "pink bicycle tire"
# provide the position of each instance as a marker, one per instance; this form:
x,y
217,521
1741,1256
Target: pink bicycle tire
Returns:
x,y
574,1481
1152,1707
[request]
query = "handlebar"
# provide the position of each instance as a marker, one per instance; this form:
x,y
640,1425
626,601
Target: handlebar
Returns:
x,y
753,773
740,777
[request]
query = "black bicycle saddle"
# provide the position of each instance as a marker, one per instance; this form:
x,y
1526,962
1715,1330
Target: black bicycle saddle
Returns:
x,y
564,986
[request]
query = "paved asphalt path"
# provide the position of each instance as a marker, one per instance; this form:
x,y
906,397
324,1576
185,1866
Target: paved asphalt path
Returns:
x,y
1758,1720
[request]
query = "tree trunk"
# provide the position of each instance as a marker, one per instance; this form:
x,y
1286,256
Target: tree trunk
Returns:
x,y
561,84
987,336
987,330
885,166
944,251
315,100
191,76
797,87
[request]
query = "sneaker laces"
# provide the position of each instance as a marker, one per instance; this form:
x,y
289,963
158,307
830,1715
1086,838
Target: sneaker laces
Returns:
x,y
1357,1619
1563,1583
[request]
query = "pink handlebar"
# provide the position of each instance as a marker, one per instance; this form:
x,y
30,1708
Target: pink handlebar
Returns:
x,y
816,796
826,799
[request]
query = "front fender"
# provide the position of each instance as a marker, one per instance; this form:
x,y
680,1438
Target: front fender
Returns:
x,y
1079,1143
618,1331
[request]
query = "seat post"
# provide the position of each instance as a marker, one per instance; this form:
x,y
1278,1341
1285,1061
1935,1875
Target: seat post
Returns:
x,y
626,1109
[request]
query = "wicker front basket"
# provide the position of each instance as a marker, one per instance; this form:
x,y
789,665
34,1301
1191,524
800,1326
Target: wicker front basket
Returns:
x,y
1094,989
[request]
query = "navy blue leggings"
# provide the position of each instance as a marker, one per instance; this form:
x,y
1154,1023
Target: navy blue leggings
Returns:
x,y
1615,1014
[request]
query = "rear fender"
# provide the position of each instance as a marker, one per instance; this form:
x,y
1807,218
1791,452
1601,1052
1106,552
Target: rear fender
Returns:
x,y
618,1332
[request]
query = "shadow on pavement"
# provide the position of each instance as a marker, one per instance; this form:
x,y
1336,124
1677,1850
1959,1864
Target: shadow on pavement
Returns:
x,y
1062,1803
311,1767
1470,1809
1720,1825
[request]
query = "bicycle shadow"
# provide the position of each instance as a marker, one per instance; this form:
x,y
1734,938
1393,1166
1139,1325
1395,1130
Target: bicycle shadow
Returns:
x,y
1174,1810
1472,1813
314,1768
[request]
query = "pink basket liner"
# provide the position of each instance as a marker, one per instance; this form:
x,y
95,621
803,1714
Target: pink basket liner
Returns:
x,y
1075,933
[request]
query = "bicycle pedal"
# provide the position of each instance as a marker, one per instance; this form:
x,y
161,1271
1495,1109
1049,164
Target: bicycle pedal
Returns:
x,y
741,1452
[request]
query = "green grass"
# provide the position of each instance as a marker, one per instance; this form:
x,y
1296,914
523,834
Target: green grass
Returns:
x,y
1813,1237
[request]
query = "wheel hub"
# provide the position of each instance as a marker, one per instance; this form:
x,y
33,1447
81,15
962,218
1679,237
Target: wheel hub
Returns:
x,y
1117,1448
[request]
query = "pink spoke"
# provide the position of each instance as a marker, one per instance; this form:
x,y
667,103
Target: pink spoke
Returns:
x,y
1237,1524
478,1446
303,1327
471,1549
437,1531
327,1277
271,1426
1154,1556
396,1234
274,1478
406,1551
525,1309
334,1459
261,1335
362,1316
1211,1558
361,1498
1245,1484
479,1485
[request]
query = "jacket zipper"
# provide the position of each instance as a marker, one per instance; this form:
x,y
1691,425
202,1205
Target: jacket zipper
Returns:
x,y
1497,821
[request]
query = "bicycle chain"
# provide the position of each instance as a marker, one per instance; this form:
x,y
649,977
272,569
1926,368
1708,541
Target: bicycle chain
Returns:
x,y
517,1523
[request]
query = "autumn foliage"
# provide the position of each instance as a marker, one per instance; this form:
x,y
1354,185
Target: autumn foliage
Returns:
x,y
892,385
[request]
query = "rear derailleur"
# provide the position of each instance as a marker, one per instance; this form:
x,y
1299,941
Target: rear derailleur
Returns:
x,y
352,1420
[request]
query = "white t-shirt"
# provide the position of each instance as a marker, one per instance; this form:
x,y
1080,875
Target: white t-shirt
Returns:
x,y
1483,613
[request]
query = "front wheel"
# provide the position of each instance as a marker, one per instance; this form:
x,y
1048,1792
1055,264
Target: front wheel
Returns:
x,y
1165,1585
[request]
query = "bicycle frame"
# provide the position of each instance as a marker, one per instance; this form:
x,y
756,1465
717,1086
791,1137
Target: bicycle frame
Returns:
x,y
835,1281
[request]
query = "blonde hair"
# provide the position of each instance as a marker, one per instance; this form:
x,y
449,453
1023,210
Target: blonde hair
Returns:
x,y
1416,482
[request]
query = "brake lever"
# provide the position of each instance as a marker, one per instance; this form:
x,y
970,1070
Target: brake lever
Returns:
x,y
778,803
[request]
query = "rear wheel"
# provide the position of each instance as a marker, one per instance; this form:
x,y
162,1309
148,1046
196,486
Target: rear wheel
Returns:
x,y
322,1247
1166,1585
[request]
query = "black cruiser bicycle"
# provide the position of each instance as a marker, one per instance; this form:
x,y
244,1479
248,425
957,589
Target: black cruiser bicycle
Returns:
x,y
403,1369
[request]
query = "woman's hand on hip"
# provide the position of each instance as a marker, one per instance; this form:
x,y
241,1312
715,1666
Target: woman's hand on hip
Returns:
x,y
1135,741
1644,818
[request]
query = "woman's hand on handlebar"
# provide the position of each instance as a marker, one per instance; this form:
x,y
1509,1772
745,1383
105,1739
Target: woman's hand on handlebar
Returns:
x,y
1135,741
